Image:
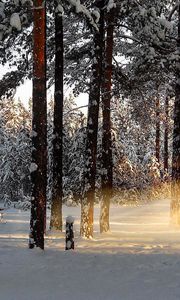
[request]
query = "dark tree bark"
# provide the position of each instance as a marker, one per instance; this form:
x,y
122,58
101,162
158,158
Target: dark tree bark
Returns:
x,y
175,201
166,137
57,190
87,204
158,129
107,165
39,127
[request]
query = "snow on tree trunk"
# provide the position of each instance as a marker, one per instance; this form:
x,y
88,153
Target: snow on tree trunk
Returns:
x,y
87,203
175,201
57,193
69,233
106,176
166,133
39,126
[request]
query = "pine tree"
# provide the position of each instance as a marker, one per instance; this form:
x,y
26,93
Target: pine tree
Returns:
x,y
166,135
39,128
107,164
87,204
175,202
15,150
57,190
157,129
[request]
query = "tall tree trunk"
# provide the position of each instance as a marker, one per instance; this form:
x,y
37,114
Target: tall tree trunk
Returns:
x,y
107,165
158,129
39,127
87,204
166,138
175,201
57,190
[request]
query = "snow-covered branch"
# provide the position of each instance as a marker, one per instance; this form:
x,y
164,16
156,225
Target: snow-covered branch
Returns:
x,y
82,9
74,109
172,11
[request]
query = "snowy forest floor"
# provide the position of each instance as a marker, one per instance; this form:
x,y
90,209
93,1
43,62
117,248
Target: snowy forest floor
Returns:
x,y
138,260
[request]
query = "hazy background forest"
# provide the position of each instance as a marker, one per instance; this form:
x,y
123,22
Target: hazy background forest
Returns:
x,y
136,169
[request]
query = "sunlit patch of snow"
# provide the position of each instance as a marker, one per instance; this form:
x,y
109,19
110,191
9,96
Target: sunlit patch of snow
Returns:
x,y
137,260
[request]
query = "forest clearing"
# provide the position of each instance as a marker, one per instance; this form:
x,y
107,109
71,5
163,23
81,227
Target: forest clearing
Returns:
x,y
138,259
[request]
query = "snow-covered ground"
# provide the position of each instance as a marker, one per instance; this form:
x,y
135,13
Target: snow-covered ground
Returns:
x,y
138,260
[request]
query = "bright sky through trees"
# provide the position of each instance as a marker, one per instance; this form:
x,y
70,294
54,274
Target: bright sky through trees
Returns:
x,y
24,92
